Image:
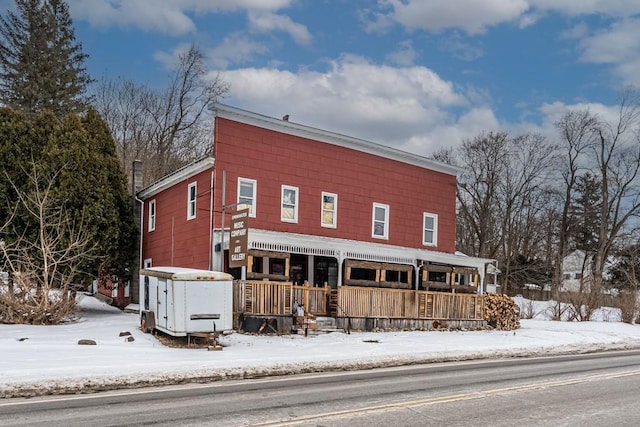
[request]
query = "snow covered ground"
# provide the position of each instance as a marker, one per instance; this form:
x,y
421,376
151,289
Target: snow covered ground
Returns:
x,y
47,359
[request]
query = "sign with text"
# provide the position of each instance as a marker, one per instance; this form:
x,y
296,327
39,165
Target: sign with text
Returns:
x,y
238,238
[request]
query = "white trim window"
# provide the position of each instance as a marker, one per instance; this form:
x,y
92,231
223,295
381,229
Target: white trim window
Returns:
x,y
247,190
380,221
329,214
151,221
289,200
429,229
192,195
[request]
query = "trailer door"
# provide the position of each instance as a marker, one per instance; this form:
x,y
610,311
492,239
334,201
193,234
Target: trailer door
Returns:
x,y
163,307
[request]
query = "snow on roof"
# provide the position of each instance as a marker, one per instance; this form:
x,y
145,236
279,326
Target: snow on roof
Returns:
x,y
181,273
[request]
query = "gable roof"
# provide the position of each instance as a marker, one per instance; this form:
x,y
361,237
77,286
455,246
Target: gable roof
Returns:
x,y
173,178
295,129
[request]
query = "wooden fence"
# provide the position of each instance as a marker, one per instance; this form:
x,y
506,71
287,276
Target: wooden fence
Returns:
x,y
276,299
401,304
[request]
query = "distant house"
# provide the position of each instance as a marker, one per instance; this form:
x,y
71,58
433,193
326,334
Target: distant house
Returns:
x,y
576,271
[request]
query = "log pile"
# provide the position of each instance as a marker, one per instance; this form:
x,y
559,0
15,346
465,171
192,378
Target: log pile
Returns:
x,y
501,312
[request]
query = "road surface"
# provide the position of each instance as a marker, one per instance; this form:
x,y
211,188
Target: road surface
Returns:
x,y
582,390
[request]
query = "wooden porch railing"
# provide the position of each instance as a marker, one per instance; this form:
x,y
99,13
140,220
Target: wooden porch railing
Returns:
x,y
402,304
276,299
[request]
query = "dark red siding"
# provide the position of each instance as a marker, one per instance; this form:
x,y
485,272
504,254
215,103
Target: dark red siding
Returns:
x,y
360,179
177,241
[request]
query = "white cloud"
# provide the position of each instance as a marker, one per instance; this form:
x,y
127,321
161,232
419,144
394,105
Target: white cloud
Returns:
x,y
266,22
460,49
407,107
163,16
234,49
618,8
576,32
551,112
618,45
475,17
170,60
160,15
471,16
404,55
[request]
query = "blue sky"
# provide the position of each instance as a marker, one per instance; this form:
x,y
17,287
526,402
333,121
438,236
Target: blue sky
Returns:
x,y
418,75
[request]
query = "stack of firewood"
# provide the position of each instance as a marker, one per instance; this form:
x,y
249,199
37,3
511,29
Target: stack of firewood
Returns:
x,y
501,312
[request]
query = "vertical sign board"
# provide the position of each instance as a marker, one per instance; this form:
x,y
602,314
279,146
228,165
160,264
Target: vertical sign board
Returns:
x,y
238,238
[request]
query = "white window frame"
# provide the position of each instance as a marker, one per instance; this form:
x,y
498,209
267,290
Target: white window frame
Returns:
x,y
434,217
253,205
334,211
192,197
385,222
293,205
151,218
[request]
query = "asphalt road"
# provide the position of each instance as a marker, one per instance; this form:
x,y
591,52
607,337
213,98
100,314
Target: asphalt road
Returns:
x,y
584,390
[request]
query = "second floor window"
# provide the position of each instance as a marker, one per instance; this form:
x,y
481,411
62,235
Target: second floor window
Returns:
x,y
329,210
430,229
192,193
289,211
152,215
247,195
380,226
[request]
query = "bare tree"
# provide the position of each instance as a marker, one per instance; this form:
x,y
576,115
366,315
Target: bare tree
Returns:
x,y
124,106
576,130
617,158
165,129
501,195
42,268
483,160
520,192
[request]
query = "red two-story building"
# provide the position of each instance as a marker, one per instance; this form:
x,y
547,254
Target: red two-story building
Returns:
x,y
324,208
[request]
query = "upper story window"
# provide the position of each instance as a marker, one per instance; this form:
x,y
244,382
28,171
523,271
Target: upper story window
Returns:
x,y
329,210
289,211
430,229
191,200
380,223
247,189
152,215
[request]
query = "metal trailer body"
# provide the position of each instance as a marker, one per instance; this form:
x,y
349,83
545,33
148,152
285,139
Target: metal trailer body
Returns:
x,y
183,301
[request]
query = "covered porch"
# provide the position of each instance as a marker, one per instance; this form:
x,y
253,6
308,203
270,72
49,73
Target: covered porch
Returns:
x,y
322,261
360,284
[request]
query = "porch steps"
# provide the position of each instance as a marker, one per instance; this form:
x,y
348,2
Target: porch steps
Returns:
x,y
325,322
321,325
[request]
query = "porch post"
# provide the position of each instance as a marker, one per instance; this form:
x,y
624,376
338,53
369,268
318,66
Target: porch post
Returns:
x,y
310,270
416,285
340,262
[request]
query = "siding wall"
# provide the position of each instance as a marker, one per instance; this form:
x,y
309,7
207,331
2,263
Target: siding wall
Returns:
x,y
360,179
177,241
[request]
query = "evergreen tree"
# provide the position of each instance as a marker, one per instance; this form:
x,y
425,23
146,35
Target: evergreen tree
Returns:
x,y
78,155
41,63
585,213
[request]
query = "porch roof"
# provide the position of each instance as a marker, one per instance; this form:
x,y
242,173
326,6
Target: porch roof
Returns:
x,y
351,249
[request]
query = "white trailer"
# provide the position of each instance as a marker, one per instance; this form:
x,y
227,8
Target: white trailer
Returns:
x,y
185,301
